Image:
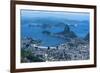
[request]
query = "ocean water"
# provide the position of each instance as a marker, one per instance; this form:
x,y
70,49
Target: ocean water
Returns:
x,y
34,23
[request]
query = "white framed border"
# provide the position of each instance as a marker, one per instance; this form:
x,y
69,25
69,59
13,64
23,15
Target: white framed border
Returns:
x,y
52,64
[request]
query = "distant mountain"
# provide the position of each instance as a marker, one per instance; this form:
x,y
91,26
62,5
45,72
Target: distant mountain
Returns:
x,y
51,20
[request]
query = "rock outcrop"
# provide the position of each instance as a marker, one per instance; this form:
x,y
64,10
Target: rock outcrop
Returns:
x,y
67,32
86,38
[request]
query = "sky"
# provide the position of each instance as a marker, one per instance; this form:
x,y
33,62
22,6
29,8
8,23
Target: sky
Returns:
x,y
58,14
